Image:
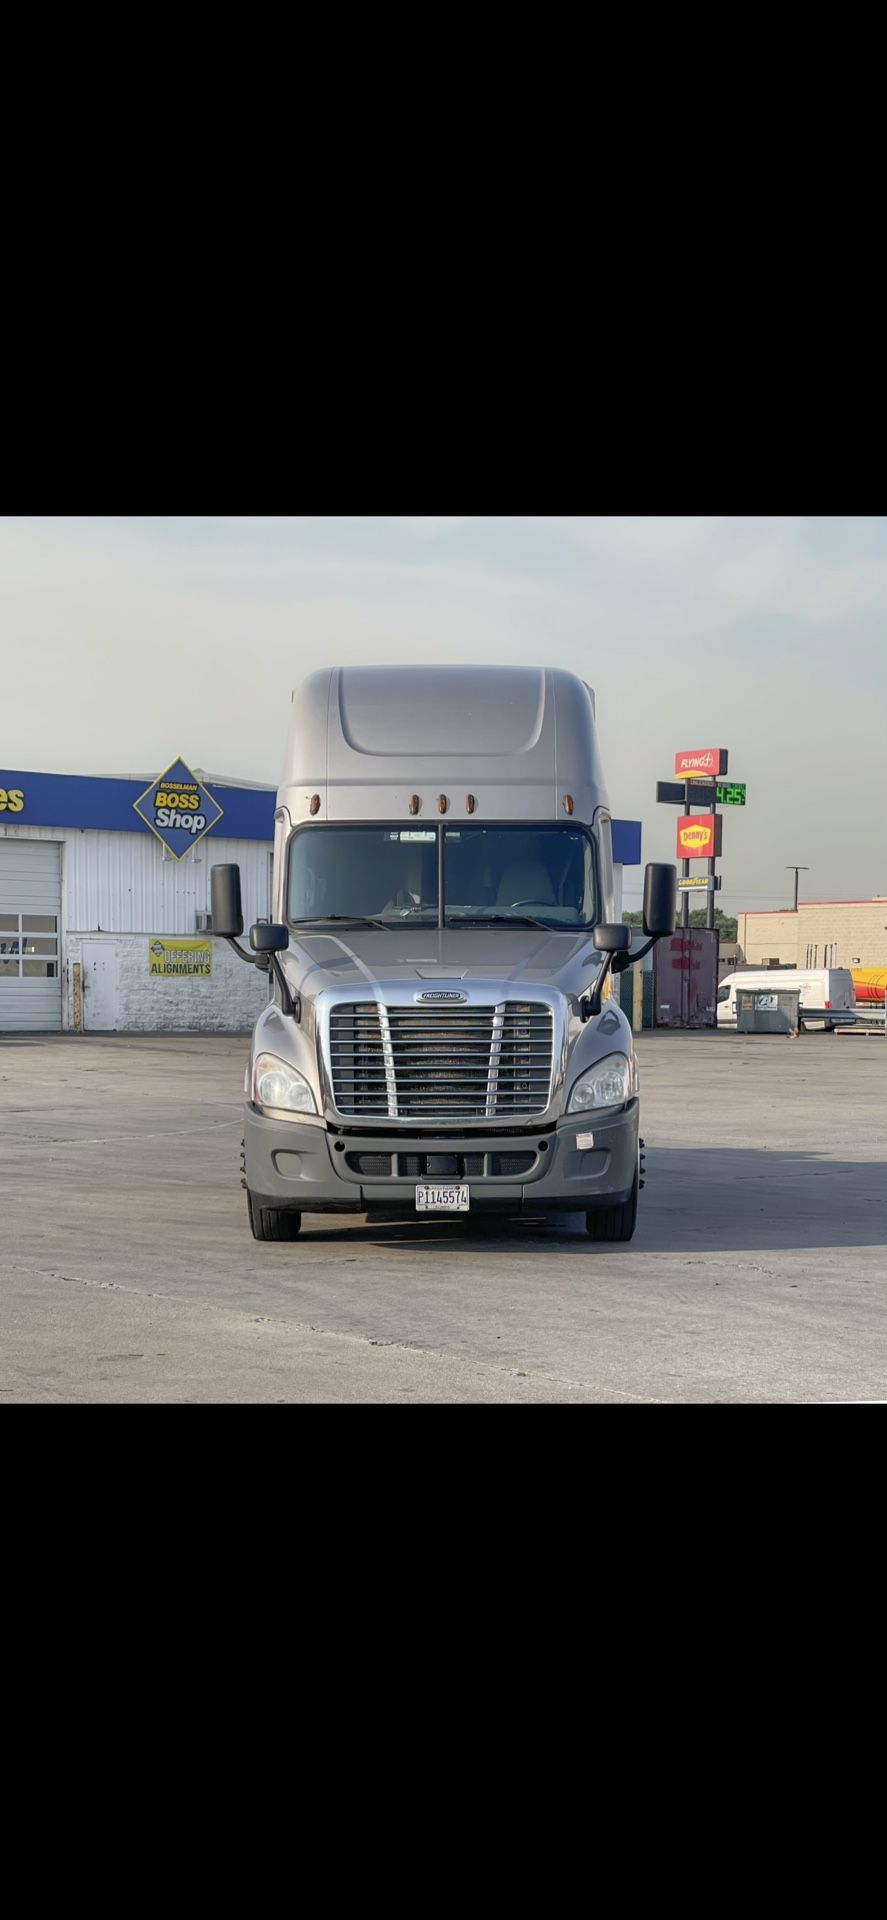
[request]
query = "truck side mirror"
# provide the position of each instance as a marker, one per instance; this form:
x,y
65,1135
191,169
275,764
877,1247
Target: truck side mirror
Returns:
x,y
614,938
227,911
659,900
268,936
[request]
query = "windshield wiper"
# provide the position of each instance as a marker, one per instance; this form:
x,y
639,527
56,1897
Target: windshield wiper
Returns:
x,y
502,920
344,919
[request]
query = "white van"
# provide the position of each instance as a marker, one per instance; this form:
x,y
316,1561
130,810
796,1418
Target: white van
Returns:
x,y
823,990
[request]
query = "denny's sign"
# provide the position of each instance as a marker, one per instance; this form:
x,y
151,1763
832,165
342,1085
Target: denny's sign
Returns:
x,y
700,836
707,763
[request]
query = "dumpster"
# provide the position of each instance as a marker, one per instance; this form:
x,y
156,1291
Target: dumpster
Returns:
x,y
758,1011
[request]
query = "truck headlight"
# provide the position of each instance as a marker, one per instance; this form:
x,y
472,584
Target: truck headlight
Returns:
x,y
277,1085
609,1083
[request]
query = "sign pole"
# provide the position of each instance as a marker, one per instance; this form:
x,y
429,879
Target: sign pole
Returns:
x,y
710,906
685,909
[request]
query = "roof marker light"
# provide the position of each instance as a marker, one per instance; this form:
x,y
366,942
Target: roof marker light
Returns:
x,y
470,803
442,803
315,803
568,803
415,803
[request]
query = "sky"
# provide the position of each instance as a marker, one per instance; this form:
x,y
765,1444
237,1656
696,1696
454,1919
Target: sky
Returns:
x,y
125,642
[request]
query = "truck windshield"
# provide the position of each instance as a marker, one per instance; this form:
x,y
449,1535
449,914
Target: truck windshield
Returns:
x,y
491,875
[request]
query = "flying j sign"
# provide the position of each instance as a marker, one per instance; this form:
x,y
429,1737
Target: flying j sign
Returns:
x,y
700,836
707,763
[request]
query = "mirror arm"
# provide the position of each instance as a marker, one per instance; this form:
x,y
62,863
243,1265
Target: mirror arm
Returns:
x,y
590,1004
269,962
250,958
291,1002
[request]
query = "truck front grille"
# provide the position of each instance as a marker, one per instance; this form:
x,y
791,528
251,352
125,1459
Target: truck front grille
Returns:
x,y
460,1063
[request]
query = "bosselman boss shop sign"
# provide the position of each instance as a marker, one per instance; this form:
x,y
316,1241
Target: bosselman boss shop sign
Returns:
x,y
700,836
178,808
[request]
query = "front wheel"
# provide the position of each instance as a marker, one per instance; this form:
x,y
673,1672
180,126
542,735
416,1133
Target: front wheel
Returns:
x,y
614,1223
272,1223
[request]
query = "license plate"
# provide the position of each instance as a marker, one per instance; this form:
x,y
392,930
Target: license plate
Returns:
x,y
441,1199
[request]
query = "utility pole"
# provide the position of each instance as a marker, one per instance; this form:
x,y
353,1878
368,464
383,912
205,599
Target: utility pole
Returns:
x,y
796,871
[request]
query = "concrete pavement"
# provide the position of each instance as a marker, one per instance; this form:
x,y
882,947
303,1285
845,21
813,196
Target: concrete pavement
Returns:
x,y
758,1272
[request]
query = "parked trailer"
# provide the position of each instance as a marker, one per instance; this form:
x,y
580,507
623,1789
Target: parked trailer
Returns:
x,y
437,1038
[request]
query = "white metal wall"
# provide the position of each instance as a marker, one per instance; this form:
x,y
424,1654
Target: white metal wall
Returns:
x,y
124,883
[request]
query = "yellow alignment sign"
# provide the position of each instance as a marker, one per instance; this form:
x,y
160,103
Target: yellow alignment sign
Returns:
x,y
180,959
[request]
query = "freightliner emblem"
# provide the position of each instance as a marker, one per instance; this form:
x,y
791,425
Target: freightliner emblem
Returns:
x,y
460,998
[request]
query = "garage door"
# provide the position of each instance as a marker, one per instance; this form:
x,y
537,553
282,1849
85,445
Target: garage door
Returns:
x,y
30,913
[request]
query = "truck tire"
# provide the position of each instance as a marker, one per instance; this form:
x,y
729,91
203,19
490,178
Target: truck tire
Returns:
x,y
614,1223
272,1223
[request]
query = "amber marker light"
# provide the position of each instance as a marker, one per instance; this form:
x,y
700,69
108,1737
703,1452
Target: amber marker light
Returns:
x,y
315,803
568,803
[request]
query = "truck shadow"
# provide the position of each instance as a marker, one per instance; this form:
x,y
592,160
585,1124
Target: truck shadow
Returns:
x,y
697,1200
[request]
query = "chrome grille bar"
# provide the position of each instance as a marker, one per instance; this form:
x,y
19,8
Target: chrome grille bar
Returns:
x,y
388,1057
495,1056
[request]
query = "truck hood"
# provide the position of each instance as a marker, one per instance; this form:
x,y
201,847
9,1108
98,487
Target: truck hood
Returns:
x,y
365,958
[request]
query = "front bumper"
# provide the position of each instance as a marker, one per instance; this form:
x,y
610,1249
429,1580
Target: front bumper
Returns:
x,y
305,1168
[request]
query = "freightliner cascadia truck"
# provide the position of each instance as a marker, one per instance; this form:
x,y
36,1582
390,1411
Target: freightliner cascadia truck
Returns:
x,y
437,1038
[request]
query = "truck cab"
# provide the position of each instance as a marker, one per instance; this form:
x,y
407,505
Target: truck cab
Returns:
x,y
437,1037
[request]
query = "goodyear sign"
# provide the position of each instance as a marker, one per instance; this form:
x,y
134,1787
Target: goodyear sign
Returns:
x,y
180,959
178,809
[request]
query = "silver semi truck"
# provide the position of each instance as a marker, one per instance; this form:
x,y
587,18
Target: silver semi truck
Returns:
x,y
437,1037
